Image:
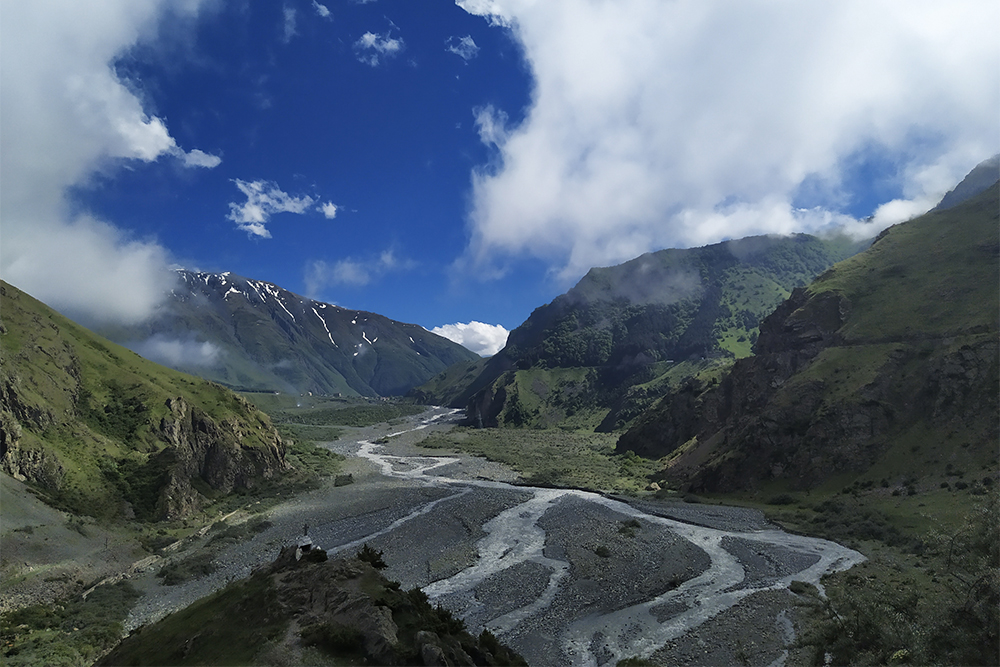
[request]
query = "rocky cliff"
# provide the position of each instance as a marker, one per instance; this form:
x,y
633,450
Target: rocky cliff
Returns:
x,y
890,353
98,430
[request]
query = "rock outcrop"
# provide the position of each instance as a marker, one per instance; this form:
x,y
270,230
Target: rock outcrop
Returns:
x,y
96,428
867,358
343,608
199,447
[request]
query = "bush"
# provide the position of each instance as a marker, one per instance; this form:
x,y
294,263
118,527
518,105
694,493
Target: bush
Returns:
x,y
372,557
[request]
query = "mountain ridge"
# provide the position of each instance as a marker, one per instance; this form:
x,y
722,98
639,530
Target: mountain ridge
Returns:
x,y
254,335
100,431
597,355
892,349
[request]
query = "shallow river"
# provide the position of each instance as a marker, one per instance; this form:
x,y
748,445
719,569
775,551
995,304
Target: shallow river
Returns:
x,y
563,576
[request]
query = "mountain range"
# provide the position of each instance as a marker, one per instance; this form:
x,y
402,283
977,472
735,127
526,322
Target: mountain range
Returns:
x,y
253,335
598,355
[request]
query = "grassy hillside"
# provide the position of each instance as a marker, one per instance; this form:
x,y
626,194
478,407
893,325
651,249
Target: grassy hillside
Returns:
x,y
890,353
601,353
312,611
100,431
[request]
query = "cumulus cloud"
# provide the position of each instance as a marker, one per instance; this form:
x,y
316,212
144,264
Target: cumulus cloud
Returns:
x,y
463,47
264,199
320,274
198,158
65,114
329,209
657,124
483,339
177,352
322,10
372,49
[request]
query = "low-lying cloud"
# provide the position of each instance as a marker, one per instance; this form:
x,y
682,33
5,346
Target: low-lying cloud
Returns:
x,y
483,339
668,124
178,352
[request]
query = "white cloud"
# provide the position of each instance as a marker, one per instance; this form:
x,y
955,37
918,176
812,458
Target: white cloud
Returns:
x,y
464,47
289,26
177,352
65,114
329,209
483,339
322,10
656,124
197,158
320,274
372,49
264,199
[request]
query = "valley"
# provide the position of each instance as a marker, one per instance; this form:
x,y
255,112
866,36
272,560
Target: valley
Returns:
x,y
560,575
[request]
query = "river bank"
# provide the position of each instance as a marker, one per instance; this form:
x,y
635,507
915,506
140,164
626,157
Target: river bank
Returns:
x,y
563,576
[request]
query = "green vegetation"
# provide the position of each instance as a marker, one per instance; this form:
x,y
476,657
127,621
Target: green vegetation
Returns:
x,y
73,632
936,602
249,620
86,415
599,355
229,627
354,415
553,457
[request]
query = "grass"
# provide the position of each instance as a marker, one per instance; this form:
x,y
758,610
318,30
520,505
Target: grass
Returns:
x,y
554,457
92,410
195,635
72,632
354,415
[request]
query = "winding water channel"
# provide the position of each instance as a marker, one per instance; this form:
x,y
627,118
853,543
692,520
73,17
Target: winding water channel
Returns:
x,y
563,576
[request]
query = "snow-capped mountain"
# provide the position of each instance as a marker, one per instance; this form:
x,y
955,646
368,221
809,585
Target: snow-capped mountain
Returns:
x,y
255,335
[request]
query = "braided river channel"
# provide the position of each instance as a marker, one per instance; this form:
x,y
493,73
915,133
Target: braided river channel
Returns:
x,y
565,577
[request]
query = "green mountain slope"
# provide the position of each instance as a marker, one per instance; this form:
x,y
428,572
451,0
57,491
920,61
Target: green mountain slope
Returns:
x,y
886,365
601,353
249,334
100,431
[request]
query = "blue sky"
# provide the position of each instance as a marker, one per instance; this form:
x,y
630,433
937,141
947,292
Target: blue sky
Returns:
x,y
453,163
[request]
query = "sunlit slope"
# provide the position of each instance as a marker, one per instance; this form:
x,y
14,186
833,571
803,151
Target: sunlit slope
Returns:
x,y
99,430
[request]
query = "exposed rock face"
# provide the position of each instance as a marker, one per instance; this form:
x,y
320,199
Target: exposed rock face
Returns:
x,y
98,428
200,447
834,386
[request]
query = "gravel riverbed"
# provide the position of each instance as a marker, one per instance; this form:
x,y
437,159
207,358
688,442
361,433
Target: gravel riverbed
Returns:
x,y
563,576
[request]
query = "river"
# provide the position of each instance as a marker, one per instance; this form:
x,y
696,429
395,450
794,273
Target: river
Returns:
x,y
563,576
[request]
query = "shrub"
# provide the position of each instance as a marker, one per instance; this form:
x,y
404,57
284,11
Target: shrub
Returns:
x,y
372,556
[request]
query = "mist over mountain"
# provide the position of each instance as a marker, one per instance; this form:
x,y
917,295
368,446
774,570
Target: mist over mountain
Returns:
x,y
888,362
254,335
597,355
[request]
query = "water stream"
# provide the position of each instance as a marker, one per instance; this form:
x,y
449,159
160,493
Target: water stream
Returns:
x,y
514,537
